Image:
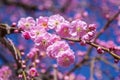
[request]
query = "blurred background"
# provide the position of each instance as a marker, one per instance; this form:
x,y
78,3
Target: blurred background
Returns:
x,y
91,11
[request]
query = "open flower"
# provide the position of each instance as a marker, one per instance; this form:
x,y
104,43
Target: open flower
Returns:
x,y
54,21
66,58
32,72
26,23
54,49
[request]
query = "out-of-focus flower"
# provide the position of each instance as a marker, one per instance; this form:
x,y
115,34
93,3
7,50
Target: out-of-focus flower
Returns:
x,y
5,73
32,72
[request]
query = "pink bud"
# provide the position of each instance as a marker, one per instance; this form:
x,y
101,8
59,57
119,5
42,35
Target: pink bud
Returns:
x,y
22,53
43,70
55,65
26,35
99,50
83,42
30,55
90,34
13,24
85,14
23,66
112,48
20,76
23,61
66,77
92,27
86,37
37,61
16,31
32,72
116,61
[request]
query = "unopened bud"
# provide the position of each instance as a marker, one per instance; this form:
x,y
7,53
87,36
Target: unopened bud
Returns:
x,y
99,50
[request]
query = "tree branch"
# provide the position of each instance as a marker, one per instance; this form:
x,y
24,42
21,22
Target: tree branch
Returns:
x,y
107,25
20,4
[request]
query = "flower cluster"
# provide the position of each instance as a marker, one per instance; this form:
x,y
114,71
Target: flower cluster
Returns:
x,y
42,32
5,73
62,52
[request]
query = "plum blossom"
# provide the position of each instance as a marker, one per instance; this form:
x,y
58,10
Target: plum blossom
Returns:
x,y
78,28
63,29
32,52
42,41
26,35
35,33
66,58
54,49
26,23
39,32
55,20
91,27
42,22
5,73
32,72
54,38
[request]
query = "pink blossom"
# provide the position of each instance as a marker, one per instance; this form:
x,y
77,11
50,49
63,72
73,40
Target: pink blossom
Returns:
x,y
42,22
26,35
78,28
117,50
66,58
91,34
35,33
26,23
85,37
32,52
42,41
55,20
81,53
63,29
5,73
54,49
54,38
91,27
32,72
81,77
99,50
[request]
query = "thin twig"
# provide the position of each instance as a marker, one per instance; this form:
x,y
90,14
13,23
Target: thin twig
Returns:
x,y
20,4
55,73
90,48
109,63
107,25
92,69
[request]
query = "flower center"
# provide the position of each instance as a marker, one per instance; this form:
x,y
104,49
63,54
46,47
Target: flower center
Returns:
x,y
78,29
44,24
56,23
66,59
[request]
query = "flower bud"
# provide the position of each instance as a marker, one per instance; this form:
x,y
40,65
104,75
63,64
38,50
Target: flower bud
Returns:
x,y
99,50
26,35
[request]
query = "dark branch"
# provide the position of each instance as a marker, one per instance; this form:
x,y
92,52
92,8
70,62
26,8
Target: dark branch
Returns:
x,y
20,4
6,29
